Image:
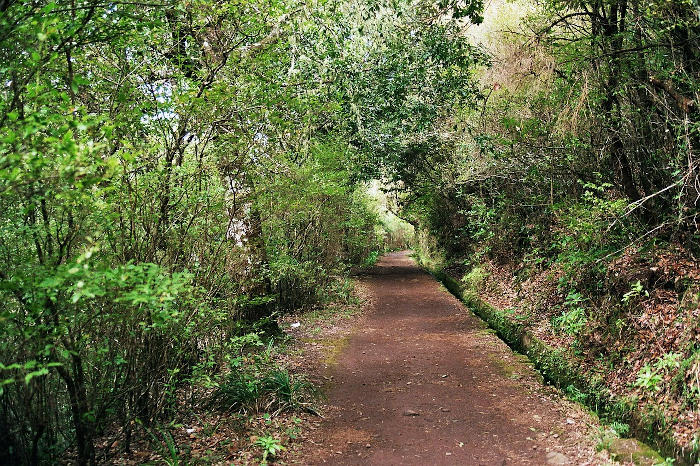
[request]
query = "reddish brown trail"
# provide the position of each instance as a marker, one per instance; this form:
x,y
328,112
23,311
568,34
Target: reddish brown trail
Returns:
x,y
422,381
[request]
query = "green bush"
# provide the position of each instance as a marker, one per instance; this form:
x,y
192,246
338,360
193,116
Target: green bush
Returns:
x,y
316,224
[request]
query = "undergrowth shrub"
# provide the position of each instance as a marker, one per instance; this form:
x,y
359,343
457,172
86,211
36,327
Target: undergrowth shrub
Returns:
x,y
587,232
371,259
572,321
256,383
264,389
316,223
288,392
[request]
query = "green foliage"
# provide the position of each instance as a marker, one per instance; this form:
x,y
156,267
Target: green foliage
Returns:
x,y
316,222
164,443
256,389
666,462
290,393
238,392
474,280
573,320
648,379
590,231
371,259
606,438
395,232
637,290
270,446
256,384
668,362
168,172
620,428
575,394
690,392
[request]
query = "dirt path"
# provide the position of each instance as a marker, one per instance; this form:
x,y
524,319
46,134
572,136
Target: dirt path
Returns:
x,y
422,381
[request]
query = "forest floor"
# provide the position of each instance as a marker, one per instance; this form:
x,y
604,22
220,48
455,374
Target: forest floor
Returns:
x,y
422,380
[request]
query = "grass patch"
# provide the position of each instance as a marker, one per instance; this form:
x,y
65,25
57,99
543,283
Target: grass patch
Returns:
x,y
275,390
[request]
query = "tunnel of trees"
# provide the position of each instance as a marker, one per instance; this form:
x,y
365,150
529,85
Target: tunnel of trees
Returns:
x,y
173,173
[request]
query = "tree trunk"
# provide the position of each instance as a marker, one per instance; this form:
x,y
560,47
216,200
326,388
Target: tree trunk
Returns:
x,y
84,430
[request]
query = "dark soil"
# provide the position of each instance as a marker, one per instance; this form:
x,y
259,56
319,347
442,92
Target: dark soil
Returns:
x,y
422,381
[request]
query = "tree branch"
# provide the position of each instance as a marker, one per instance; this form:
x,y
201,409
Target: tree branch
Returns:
x,y
272,37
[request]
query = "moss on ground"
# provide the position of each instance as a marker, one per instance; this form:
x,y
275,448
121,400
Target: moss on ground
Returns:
x,y
507,369
633,451
333,347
